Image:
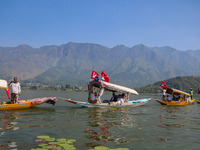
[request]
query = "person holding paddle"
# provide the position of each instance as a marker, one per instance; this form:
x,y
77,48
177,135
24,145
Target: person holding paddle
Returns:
x,y
15,90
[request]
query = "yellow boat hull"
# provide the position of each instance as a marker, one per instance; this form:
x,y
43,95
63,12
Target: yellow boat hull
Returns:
x,y
176,103
20,105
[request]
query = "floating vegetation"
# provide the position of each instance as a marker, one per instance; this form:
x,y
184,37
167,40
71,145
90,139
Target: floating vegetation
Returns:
x,y
106,148
48,143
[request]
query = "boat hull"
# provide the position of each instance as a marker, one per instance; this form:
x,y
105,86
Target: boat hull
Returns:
x,y
175,103
134,103
23,104
15,106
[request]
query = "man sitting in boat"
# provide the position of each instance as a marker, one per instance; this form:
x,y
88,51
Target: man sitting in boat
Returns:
x,y
120,99
113,98
168,99
94,99
189,99
174,98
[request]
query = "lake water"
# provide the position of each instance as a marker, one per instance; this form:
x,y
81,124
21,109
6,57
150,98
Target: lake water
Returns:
x,y
152,126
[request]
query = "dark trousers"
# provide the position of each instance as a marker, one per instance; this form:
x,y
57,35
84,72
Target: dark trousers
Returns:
x,y
14,98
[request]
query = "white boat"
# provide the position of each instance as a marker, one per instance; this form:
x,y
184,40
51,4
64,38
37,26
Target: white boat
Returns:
x,y
102,86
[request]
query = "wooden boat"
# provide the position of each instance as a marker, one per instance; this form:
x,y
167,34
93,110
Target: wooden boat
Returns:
x,y
28,103
22,104
133,103
184,98
102,86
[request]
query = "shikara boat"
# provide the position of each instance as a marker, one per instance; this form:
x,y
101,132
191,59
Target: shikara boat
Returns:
x,y
22,104
100,87
179,98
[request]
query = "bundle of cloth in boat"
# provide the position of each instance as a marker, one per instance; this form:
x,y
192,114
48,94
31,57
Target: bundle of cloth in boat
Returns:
x,y
49,100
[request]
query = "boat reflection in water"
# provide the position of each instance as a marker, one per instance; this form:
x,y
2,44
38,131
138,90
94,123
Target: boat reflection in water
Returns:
x,y
106,125
9,120
172,119
13,123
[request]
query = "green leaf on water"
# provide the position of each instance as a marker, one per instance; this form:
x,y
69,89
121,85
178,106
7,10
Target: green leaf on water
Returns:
x,y
41,145
72,140
43,137
41,149
101,148
121,149
50,139
53,143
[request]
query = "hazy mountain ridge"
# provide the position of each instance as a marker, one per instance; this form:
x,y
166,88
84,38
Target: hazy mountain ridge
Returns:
x,y
73,63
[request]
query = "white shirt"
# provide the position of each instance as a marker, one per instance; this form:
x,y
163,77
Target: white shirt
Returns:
x,y
94,98
168,98
164,91
120,100
15,88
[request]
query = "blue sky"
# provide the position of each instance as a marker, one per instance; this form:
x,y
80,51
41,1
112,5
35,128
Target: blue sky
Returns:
x,y
174,23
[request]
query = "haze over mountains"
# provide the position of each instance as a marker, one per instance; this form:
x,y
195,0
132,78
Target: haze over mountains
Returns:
x,y
73,63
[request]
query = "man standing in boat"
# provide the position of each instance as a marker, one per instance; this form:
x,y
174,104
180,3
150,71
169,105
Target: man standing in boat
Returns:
x,y
164,86
164,94
191,93
15,90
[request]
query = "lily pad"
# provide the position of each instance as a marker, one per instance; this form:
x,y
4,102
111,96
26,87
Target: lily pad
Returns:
x,y
44,144
50,139
67,146
63,142
46,147
122,149
72,140
43,137
101,148
40,140
53,143
58,148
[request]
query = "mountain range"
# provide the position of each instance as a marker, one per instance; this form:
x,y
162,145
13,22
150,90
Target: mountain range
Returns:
x,y
73,63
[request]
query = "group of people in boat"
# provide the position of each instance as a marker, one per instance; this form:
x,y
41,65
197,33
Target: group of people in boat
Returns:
x,y
174,98
177,98
115,99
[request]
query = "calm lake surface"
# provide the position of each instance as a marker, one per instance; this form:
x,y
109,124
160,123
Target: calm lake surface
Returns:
x,y
152,126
